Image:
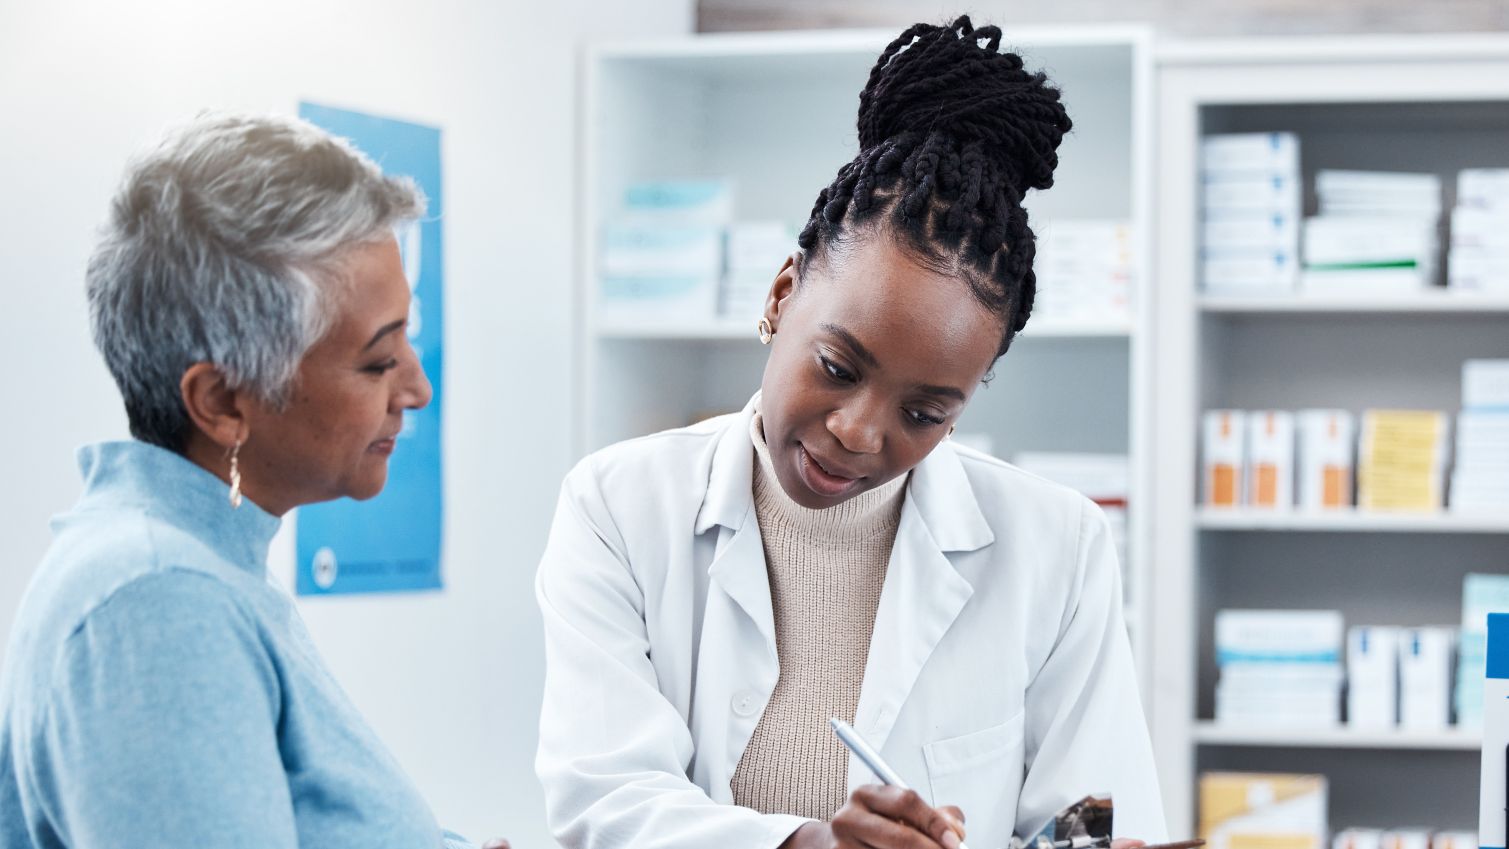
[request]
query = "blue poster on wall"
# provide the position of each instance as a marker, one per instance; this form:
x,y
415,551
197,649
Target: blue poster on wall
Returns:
x,y
391,542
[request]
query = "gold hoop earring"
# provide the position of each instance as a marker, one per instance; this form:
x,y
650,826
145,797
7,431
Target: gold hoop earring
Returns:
x,y
235,475
766,331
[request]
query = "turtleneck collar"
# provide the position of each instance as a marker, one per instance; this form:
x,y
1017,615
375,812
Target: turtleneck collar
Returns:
x,y
135,474
859,518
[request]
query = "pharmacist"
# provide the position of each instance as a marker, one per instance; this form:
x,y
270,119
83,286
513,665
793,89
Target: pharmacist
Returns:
x,y
711,596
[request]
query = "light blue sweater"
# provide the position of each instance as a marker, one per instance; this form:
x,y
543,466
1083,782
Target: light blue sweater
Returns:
x,y
160,692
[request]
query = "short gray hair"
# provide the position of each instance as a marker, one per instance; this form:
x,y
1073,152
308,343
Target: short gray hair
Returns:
x,y
223,245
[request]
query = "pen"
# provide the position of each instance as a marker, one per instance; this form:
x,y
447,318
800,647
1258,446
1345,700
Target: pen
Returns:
x,y
871,758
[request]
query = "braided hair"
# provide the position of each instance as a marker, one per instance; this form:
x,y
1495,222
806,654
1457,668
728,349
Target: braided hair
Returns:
x,y
952,134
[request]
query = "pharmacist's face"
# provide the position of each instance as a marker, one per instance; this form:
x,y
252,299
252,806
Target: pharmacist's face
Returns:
x,y
874,359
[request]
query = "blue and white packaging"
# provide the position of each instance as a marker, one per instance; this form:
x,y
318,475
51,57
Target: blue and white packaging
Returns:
x,y
1279,667
663,252
1493,807
1261,232
1267,152
1483,188
1425,678
1372,677
1275,193
705,202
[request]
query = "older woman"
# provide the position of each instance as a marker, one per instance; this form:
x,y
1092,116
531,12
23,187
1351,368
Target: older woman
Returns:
x,y
248,298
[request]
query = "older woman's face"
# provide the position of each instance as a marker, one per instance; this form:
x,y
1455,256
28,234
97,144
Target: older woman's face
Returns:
x,y
335,436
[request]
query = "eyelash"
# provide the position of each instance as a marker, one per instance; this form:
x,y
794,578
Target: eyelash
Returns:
x,y
836,371
381,368
839,374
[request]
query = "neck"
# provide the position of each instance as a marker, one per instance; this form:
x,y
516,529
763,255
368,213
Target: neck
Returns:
x,y
215,458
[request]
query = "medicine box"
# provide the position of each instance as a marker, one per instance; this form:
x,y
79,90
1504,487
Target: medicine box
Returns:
x,y
1326,443
1483,187
1270,460
1485,384
1425,678
1372,677
1225,457
1358,838
1251,152
1271,193
1267,810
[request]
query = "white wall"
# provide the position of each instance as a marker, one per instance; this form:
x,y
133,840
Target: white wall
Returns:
x,y
450,680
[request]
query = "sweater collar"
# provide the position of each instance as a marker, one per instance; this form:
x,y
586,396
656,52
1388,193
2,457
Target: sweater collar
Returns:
x,y
938,489
850,522
174,489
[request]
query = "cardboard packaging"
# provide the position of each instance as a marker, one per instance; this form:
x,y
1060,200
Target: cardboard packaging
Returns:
x,y
1270,460
1372,677
1263,811
1425,656
1327,440
1262,152
1225,457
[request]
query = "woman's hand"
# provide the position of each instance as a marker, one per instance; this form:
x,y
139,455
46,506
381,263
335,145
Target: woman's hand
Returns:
x,y
1127,843
879,817
496,843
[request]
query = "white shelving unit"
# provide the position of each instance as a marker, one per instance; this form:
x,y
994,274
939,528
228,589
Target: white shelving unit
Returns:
x,y
1217,734
1352,521
1423,103
775,113
1425,303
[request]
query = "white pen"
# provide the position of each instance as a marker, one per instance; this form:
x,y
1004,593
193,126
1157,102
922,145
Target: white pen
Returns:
x,y
871,758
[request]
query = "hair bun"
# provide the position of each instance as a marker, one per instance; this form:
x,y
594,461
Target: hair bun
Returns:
x,y
954,81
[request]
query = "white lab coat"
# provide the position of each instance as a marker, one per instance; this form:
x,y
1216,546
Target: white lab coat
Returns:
x,y
999,676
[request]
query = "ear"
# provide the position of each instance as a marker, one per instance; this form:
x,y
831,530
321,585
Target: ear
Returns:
x,y
782,290
213,406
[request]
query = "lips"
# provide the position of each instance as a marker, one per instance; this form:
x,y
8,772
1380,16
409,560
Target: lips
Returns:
x,y
384,446
825,478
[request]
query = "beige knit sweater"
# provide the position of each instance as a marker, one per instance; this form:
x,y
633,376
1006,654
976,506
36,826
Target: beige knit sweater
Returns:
x,y
826,569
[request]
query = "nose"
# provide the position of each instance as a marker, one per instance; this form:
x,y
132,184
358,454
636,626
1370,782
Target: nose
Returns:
x,y
415,391
857,428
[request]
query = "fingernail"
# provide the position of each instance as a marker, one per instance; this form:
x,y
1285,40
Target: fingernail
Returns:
x,y
950,839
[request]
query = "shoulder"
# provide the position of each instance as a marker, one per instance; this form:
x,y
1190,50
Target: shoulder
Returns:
x,y
677,447
112,557
1005,491
173,613
165,625
669,460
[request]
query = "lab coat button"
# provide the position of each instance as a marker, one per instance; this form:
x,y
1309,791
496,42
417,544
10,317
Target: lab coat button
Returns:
x,y
745,704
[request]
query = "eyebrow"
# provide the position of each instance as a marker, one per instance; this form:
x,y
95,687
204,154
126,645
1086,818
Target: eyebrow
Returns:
x,y
947,391
864,354
859,350
386,329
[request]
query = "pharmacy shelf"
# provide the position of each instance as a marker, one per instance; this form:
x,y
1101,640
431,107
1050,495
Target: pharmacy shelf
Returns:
x,y
725,330
774,113
1434,105
1443,302
1352,521
1209,733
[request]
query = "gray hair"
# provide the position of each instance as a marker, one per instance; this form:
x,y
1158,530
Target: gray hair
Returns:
x,y
224,245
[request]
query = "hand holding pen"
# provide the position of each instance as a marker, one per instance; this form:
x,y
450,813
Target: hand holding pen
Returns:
x,y
892,815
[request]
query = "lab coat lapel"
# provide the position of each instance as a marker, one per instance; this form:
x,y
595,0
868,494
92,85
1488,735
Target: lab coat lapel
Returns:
x,y
923,592
738,566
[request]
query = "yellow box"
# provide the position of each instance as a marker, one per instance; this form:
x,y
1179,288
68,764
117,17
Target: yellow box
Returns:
x,y
1240,810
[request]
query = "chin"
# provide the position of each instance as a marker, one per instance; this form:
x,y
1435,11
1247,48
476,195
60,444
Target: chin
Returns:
x,y
368,489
